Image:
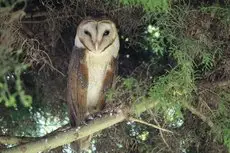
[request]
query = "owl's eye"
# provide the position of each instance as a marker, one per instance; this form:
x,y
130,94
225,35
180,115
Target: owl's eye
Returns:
x,y
87,33
106,33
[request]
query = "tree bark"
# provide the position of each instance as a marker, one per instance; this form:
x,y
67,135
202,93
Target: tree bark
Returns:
x,y
59,138
14,140
68,136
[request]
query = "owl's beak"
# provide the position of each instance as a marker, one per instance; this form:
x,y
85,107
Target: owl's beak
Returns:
x,y
96,46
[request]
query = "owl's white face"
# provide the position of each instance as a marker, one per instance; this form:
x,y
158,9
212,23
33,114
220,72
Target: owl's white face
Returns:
x,y
96,36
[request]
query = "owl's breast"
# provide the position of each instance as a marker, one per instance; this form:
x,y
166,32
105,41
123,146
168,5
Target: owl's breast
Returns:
x,y
97,68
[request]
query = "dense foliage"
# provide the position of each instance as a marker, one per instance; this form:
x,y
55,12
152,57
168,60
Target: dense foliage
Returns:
x,y
174,52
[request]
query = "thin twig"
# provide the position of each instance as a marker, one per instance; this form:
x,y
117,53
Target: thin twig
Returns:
x,y
199,114
151,125
162,136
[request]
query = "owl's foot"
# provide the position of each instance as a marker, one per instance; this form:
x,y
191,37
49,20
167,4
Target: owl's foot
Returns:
x,y
112,109
88,119
97,115
92,117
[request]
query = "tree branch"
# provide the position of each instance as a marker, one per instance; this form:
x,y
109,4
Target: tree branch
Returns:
x,y
66,136
148,124
59,138
199,114
15,140
212,85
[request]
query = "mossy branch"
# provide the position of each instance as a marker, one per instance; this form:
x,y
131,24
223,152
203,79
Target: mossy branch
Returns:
x,y
199,114
62,137
68,136
15,140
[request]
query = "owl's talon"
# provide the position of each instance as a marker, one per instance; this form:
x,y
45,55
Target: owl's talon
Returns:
x,y
105,112
83,123
98,115
112,109
115,111
89,118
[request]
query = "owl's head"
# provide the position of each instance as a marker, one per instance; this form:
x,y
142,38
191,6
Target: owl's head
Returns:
x,y
96,35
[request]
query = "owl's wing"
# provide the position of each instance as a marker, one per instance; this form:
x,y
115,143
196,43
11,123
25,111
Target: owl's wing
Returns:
x,y
115,67
76,88
108,80
110,75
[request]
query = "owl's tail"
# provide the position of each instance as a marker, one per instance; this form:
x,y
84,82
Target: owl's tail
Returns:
x,y
82,145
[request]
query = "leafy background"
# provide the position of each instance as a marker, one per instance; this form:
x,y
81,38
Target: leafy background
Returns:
x,y
174,51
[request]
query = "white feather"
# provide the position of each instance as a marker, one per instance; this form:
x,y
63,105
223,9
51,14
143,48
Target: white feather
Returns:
x,y
78,43
97,65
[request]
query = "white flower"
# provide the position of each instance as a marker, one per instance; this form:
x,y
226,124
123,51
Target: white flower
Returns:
x,y
150,28
157,34
154,28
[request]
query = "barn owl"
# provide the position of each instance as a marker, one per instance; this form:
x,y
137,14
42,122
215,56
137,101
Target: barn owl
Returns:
x,y
92,69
